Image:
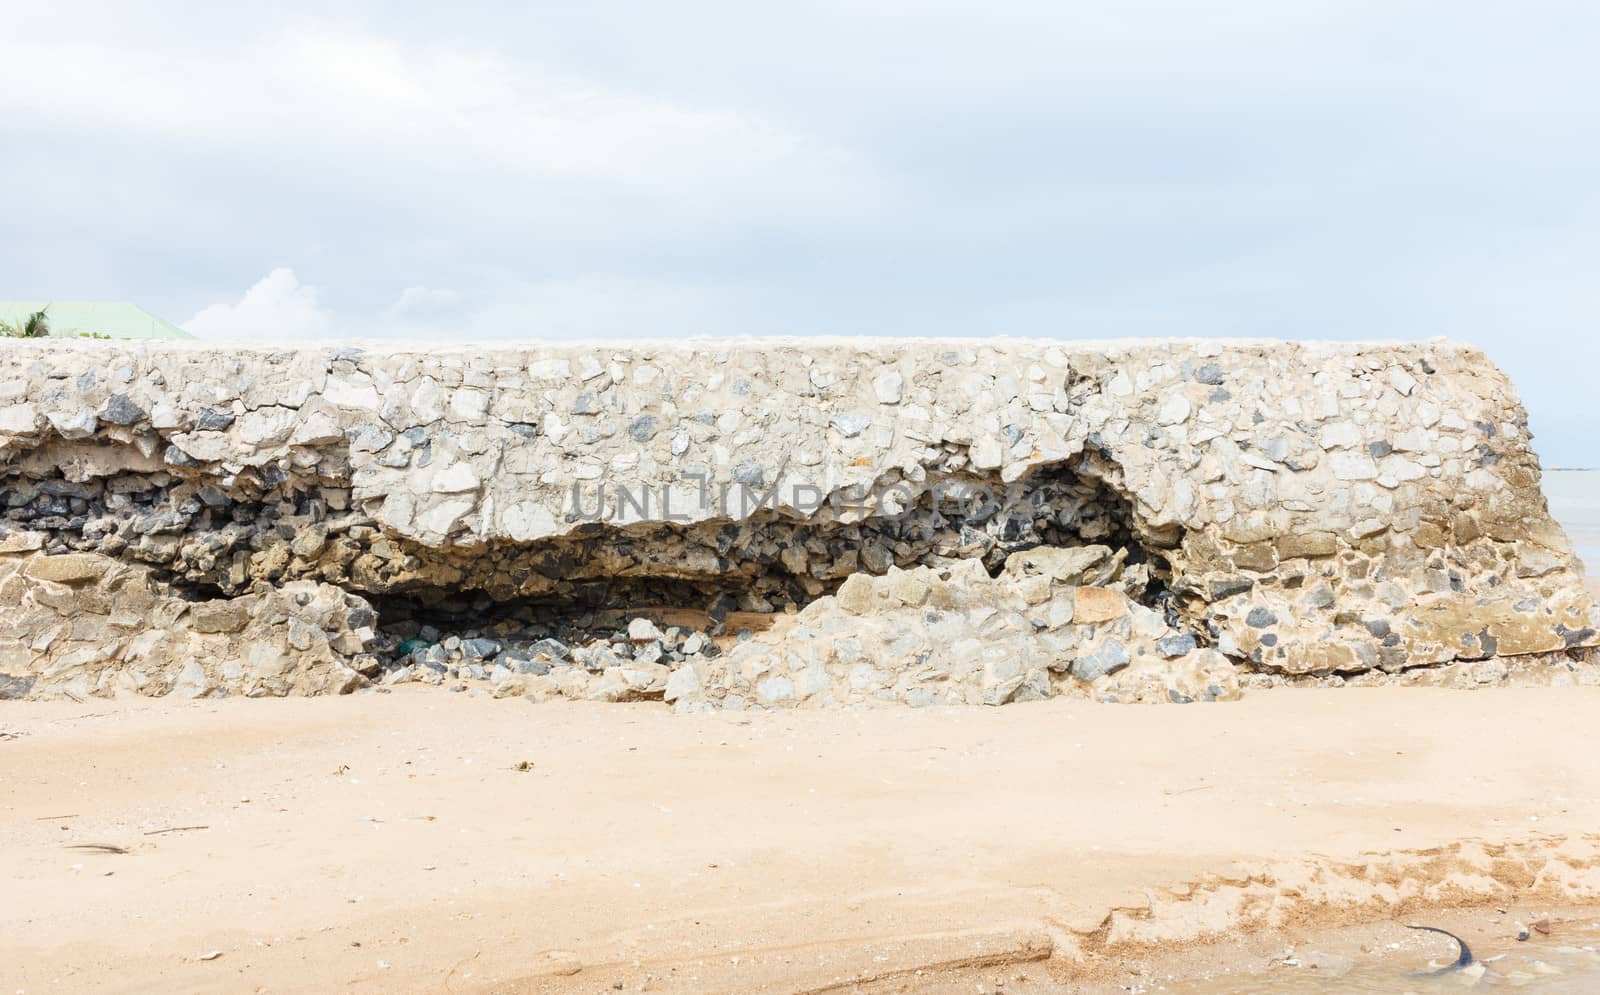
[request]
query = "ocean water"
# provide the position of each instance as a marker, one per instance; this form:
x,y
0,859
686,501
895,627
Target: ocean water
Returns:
x,y
1575,502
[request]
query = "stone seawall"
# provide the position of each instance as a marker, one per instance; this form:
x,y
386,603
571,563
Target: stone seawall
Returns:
x,y
774,523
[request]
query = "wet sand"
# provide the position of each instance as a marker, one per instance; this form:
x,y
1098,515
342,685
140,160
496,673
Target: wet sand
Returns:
x,y
395,842
1558,957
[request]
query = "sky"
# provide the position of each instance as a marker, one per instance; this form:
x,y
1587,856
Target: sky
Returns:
x,y
1360,169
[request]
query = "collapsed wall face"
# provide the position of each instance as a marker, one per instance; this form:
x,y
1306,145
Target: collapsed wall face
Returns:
x,y
743,524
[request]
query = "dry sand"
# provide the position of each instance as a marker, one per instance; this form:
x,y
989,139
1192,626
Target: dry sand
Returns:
x,y
393,842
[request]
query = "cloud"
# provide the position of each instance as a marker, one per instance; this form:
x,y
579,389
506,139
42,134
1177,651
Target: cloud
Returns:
x,y
276,308
615,308
608,307
358,101
425,302
279,308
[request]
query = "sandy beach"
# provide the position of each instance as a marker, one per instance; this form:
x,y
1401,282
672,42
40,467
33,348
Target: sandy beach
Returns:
x,y
424,841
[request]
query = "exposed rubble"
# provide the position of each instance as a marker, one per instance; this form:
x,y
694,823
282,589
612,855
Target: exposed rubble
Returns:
x,y
774,524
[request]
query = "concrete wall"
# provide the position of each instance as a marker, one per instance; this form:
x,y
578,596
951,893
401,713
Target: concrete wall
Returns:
x,y
1259,508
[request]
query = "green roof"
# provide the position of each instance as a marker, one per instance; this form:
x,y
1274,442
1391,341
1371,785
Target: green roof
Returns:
x,y
114,319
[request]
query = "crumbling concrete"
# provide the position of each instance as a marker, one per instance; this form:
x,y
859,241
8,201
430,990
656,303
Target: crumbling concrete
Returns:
x,y
809,522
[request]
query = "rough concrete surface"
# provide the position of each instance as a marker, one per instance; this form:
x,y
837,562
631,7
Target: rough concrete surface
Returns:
x,y
749,524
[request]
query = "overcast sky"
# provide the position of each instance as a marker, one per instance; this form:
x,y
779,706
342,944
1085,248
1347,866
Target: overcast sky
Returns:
x,y
1351,169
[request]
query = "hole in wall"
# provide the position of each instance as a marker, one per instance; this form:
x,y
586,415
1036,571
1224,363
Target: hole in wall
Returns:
x,y
720,577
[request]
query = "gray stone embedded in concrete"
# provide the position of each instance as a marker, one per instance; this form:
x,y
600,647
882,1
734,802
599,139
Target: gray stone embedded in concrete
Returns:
x,y
1205,509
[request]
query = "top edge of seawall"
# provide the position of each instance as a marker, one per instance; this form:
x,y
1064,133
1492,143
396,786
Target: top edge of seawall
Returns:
x,y
660,347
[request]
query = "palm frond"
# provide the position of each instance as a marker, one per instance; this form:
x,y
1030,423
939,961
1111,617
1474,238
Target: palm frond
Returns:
x,y
38,324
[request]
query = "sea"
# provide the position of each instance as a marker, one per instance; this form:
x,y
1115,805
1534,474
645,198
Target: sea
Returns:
x,y
1574,497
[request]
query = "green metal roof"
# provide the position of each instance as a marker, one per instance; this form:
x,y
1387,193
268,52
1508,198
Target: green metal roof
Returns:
x,y
114,319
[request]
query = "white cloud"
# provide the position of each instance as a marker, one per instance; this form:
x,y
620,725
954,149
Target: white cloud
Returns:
x,y
278,307
336,98
616,308
425,302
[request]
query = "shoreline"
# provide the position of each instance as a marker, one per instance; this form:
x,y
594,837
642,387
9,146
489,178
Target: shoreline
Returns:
x,y
1317,949
775,852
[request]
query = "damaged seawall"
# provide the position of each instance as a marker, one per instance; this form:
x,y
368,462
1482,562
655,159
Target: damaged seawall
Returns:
x,y
922,521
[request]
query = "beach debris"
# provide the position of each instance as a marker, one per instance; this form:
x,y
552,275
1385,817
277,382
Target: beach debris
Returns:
x,y
1522,933
523,765
1463,961
1542,927
109,848
175,829
210,955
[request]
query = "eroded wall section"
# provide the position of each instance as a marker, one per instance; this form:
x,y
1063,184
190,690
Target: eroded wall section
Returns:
x,y
774,523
